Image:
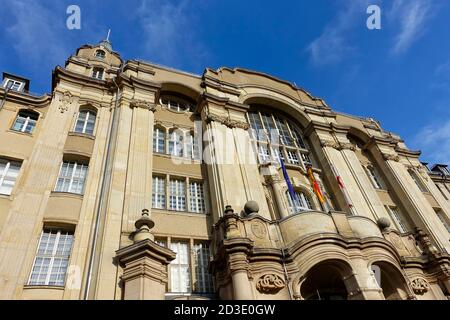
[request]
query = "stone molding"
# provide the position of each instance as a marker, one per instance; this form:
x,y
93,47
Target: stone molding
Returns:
x,y
338,145
227,121
143,104
270,283
391,157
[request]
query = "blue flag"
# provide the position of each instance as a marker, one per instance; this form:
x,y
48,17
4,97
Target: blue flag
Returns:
x,y
288,181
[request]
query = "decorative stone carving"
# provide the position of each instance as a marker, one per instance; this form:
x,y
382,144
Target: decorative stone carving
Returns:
x,y
270,283
392,157
425,243
66,99
420,286
346,145
338,145
143,104
258,229
227,121
329,143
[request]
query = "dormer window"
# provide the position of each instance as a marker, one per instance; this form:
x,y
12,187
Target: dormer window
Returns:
x,y
13,84
100,54
97,73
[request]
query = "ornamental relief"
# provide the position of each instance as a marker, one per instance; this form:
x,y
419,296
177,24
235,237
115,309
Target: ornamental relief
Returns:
x,y
392,157
270,284
227,121
143,104
338,145
66,99
420,286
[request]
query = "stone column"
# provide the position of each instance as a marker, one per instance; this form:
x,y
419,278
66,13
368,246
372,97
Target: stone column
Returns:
x,y
144,263
362,284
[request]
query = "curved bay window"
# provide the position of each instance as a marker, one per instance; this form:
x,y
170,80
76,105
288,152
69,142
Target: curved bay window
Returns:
x,y
300,203
278,138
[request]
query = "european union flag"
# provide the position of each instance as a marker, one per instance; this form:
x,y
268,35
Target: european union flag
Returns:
x,y
288,181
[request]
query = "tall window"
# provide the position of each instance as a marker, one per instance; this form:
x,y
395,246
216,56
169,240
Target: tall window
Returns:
x,y
192,146
177,195
159,193
197,197
299,204
443,218
203,278
25,121
85,122
176,143
398,218
52,258
97,73
159,137
9,171
374,177
180,276
281,136
72,177
417,181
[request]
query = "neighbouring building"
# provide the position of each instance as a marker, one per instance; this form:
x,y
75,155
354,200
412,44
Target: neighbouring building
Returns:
x,y
136,181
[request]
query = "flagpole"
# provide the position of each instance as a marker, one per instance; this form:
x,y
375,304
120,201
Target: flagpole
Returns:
x,y
342,188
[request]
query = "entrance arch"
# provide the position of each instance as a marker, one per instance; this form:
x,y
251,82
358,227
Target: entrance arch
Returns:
x,y
327,280
391,281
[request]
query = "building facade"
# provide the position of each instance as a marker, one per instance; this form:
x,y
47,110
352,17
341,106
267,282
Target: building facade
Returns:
x,y
137,181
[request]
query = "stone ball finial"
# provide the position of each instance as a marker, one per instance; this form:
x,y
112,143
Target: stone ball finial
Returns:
x,y
251,207
383,223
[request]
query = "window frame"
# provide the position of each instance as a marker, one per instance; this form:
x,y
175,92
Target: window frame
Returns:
x,y
303,203
72,177
19,89
53,256
198,197
6,170
27,120
399,219
158,193
179,197
102,56
98,73
89,112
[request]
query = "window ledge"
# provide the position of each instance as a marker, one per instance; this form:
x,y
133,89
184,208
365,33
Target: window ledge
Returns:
x,y
184,213
66,194
84,135
5,196
185,160
26,134
43,286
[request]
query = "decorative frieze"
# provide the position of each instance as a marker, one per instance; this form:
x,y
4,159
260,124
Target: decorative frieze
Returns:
x,y
227,121
420,286
270,283
143,104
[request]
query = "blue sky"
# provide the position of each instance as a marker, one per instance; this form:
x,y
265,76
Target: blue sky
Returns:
x,y
399,75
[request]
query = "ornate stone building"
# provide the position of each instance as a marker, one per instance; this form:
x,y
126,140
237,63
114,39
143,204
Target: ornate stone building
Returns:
x,y
137,181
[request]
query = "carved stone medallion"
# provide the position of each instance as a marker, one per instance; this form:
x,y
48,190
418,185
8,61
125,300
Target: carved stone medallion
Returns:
x,y
270,283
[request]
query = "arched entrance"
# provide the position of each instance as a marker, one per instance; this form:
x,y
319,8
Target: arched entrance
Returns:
x,y
325,281
391,281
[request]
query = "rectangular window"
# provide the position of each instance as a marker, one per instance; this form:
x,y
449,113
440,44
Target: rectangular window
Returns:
x,y
263,153
158,140
277,154
443,218
373,175
9,171
192,147
177,195
97,73
72,177
306,159
176,144
196,197
292,157
85,122
52,258
203,279
180,275
159,193
399,220
25,121
13,85
417,181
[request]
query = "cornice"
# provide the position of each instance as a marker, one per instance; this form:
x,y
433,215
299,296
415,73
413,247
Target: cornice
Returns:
x,y
24,98
327,127
63,74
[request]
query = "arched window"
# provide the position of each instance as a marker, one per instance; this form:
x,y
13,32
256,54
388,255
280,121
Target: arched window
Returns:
x,y
100,54
97,73
299,204
25,121
176,104
176,143
276,138
159,140
85,121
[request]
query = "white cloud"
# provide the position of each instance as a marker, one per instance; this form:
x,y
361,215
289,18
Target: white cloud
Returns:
x,y
434,141
332,45
170,32
412,17
35,33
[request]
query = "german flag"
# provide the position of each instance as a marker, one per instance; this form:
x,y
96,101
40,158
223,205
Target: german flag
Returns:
x,y
315,186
